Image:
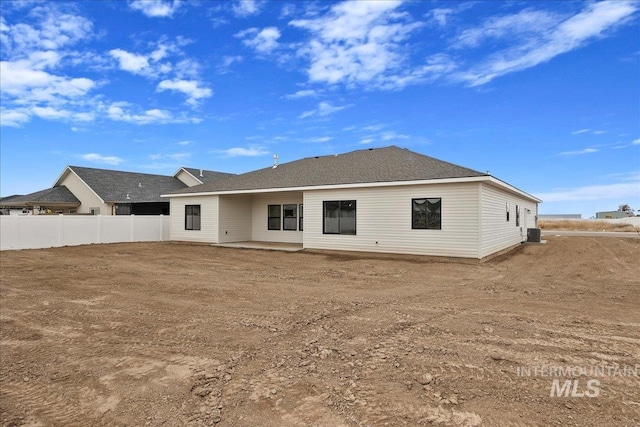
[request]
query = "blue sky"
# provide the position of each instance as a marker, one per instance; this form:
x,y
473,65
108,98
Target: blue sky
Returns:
x,y
544,95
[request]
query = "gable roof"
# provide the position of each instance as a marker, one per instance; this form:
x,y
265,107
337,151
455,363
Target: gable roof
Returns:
x,y
125,187
51,196
205,176
389,164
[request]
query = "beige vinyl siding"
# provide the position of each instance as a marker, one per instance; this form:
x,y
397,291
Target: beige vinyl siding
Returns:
x,y
383,220
187,178
235,221
260,231
88,199
496,233
208,232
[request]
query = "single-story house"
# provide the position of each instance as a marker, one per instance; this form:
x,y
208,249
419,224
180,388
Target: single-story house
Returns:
x,y
82,190
57,200
389,200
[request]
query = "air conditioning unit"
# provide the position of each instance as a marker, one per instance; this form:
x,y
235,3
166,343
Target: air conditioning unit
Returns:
x,y
534,235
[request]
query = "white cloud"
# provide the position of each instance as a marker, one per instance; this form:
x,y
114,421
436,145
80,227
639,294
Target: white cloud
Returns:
x,y
122,112
251,151
578,152
374,128
389,136
615,191
130,61
191,88
174,156
366,141
539,37
228,61
98,158
13,118
263,41
440,15
636,141
324,109
25,84
53,31
246,7
185,142
357,42
30,80
301,94
156,8
318,140
593,132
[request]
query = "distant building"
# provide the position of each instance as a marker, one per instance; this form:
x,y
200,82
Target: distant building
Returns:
x,y
613,214
560,216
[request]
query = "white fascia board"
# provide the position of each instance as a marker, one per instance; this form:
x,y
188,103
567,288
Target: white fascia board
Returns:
x,y
336,187
61,177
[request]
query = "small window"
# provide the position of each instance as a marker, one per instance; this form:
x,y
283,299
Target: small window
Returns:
x,y
508,209
94,211
290,220
426,214
340,217
517,216
274,217
192,217
300,219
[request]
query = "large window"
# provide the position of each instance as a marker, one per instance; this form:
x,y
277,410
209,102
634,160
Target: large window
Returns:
x,y
426,214
290,220
340,217
192,217
274,217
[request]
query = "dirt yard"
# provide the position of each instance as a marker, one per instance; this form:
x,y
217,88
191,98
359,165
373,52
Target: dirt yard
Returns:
x,y
174,334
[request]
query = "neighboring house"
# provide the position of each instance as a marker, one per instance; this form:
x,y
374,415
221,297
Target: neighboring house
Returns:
x,y
379,200
52,200
82,190
613,214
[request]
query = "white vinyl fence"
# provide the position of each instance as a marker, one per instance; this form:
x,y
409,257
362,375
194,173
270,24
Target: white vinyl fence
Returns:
x,y
46,231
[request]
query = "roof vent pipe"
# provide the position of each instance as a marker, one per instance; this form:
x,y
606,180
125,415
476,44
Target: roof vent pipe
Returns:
x,y
275,161
200,172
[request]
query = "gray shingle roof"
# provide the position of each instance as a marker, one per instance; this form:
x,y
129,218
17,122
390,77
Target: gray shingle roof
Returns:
x,y
53,196
208,176
128,187
387,164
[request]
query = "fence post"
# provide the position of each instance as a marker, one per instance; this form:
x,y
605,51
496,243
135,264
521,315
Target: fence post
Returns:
x,y
161,228
60,230
14,243
132,228
99,228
